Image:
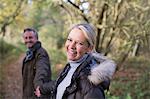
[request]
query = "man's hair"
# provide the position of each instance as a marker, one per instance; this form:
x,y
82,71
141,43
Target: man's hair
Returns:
x,y
31,29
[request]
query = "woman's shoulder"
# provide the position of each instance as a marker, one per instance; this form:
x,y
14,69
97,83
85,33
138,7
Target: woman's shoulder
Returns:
x,y
102,69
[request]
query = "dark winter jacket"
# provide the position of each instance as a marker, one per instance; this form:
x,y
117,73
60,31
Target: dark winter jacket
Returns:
x,y
89,80
35,71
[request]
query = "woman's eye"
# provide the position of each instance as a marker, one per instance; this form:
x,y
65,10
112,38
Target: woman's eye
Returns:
x,y
69,39
80,43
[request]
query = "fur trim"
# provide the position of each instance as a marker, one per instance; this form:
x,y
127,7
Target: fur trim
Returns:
x,y
102,71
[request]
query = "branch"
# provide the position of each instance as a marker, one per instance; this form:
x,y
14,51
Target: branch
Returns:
x,y
82,11
62,6
8,20
101,15
77,7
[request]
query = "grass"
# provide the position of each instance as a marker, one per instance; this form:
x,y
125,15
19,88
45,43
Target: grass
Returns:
x,y
58,61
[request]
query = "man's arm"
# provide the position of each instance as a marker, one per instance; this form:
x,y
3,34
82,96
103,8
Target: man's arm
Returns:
x,y
43,70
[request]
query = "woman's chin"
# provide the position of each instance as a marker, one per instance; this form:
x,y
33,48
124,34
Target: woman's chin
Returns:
x,y
72,59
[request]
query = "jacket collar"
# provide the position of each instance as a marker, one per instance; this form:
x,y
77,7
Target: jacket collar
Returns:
x,y
36,46
102,70
84,66
30,51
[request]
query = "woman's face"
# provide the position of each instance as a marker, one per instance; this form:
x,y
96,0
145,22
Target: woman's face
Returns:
x,y
76,45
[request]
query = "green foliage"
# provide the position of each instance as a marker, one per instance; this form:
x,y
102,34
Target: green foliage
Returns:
x,y
132,82
60,42
7,8
127,96
57,56
8,51
58,60
10,11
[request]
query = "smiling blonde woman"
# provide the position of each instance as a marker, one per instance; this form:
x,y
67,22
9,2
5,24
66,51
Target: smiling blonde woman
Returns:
x,y
87,73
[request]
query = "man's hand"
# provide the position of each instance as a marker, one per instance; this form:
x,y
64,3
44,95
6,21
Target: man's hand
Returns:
x,y
37,92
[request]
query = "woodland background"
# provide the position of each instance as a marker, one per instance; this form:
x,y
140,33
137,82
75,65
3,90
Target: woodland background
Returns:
x,y
123,34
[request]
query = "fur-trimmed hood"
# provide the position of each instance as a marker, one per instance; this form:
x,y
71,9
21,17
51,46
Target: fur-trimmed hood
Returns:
x,y
102,70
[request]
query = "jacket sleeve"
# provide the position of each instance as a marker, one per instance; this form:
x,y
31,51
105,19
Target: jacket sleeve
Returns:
x,y
91,91
42,69
47,88
95,93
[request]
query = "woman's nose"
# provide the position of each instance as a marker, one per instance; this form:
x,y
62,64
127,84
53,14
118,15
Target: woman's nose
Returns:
x,y
73,45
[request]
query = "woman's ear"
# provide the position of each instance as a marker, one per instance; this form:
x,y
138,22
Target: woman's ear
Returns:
x,y
90,48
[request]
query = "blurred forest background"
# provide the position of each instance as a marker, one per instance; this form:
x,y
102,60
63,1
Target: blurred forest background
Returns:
x,y
123,34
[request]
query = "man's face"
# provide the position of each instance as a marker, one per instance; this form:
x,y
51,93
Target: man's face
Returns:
x,y
29,38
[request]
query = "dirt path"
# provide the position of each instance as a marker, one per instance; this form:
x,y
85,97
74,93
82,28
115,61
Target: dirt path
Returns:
x,y
12,85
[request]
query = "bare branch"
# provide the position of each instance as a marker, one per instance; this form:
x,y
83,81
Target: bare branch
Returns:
x,y
82,11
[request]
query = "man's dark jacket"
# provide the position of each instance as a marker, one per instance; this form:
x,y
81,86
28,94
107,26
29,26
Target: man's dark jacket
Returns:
x,y
35,71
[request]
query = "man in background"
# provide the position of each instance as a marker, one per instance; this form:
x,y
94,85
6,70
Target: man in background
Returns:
x,y
36,65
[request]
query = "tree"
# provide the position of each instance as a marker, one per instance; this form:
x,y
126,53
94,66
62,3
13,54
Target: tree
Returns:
x,y
9,11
